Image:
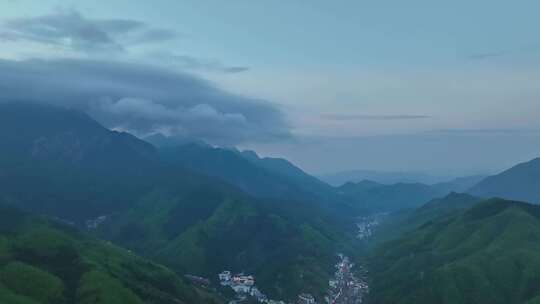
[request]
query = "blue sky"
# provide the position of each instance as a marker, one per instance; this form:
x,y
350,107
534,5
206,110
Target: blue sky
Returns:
x,y
340,72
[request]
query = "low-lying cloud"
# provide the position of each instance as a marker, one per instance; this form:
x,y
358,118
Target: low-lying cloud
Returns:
x,y
143,99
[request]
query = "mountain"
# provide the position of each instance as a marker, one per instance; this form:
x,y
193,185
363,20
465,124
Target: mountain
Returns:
x,y
401,222
459,184
373,197
286,169
61,162
486,254
46,262
46,133
261,177
65,165
521,182
340,178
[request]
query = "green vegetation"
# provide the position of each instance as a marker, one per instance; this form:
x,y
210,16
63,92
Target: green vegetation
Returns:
x,y
398,223
44,262
97,286
486,254
32,282
288,246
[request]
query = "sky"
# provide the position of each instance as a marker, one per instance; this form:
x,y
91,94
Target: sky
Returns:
x,y
445,87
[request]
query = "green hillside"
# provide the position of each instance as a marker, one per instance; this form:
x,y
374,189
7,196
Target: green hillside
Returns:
x,y
487,254
45,262
288,246
397,223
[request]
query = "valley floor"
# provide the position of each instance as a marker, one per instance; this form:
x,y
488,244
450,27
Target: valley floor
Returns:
x,y
346,288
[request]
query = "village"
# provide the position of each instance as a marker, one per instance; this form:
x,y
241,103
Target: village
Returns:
x,y
244,286
366,225
345,287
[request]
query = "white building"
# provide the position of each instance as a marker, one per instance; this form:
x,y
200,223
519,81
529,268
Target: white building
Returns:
x,y
306,298
244,280
239,288
225,276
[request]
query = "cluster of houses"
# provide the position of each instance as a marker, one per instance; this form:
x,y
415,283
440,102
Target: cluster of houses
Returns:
x,y
306,298
365,227
244,285
346,284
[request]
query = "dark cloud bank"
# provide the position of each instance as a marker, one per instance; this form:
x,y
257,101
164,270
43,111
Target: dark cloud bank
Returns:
x,y
143,99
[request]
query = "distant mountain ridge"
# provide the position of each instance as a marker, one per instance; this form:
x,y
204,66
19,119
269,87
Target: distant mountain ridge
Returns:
x,y
374,197
521,182
383,177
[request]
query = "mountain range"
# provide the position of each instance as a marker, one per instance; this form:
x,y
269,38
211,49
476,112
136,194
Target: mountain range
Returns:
x,y
198,209
169,205
383,177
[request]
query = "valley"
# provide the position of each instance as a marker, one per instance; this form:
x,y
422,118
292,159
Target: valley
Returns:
x,y
269,152
345,286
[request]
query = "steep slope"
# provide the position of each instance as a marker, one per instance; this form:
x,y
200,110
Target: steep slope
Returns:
x,y
521,182
261,177
45,133
293,174
75,168
45,262
227,165
487,254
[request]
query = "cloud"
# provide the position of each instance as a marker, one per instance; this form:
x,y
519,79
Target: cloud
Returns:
x,y
71,30
373,117
143,99
200,64
485,131
482,56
